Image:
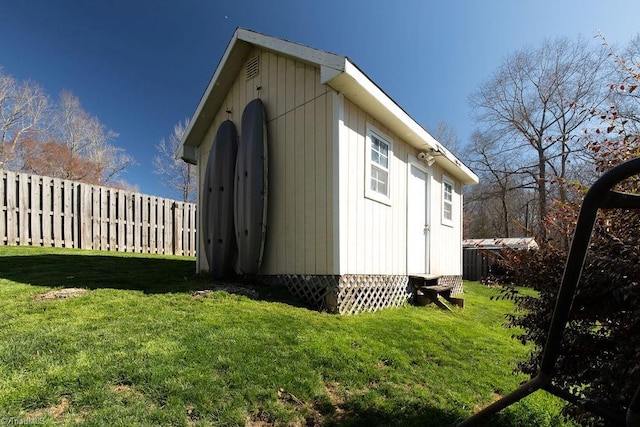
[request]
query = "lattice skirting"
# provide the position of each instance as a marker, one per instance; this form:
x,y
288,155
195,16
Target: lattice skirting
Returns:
x,y
456,281
359,293
319,292
350,293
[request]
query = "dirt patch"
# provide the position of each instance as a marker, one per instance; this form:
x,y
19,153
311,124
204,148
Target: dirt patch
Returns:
x,y
306,413
337,401
56,411
125,389
256,421
330,409
495,396
192,415
332,390
236,290
61,294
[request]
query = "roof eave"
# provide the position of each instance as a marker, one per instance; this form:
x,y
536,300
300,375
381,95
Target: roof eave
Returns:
x,y
357,87
336,71
210,102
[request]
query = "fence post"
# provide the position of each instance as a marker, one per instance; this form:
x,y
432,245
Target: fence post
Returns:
x,y
67,203
120,220
112,218
176,231
167,224
23,209
128,197
153,225
87,222
58,212
11,209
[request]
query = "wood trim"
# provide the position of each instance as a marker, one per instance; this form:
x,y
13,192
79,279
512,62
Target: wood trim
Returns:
x,y
368,192
340,194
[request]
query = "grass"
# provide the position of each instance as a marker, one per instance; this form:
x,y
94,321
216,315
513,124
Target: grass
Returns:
x,y
139,349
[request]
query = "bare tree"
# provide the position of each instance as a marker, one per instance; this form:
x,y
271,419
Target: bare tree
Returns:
x,y
175,174
446,134
536,103
498,205
23,107
89,139
59,139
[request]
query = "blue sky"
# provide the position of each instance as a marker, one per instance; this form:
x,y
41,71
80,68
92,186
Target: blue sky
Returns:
x,y
141,66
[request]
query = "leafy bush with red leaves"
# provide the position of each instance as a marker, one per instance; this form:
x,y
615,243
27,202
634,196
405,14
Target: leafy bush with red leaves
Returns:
x,y
600,356
601,347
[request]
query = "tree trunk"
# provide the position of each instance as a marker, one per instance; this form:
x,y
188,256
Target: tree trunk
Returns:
x,y
542,195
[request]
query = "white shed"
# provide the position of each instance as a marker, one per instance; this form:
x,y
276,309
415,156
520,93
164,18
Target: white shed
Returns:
x,y
361,197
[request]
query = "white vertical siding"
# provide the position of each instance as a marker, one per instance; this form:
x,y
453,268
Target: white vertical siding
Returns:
x,y
446,240
373,235
300,206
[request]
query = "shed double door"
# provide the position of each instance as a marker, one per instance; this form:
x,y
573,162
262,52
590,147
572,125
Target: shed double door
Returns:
x,y
417,221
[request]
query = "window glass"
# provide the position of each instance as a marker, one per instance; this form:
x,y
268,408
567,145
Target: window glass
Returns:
x,y
378,152
447,202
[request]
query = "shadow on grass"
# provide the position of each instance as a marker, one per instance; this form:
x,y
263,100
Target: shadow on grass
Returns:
x,y
147,274
357,414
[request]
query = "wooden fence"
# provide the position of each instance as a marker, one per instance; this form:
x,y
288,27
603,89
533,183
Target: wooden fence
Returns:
x,y
475,264
42,211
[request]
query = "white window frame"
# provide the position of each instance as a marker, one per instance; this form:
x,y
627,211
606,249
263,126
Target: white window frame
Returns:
x,y
447,181
370,193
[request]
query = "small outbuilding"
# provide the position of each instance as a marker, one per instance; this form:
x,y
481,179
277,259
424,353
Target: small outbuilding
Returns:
x,y
360,196
476,259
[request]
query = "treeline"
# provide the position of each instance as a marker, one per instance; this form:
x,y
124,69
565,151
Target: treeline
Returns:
x,y
538,118
55,138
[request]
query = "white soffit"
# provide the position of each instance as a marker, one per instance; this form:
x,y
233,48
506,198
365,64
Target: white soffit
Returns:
x,y
357,87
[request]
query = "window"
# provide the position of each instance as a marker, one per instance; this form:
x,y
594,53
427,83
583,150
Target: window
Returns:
x,y
447,201
378,160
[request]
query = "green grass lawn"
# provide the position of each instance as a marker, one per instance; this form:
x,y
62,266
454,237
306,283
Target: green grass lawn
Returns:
x,y
139,349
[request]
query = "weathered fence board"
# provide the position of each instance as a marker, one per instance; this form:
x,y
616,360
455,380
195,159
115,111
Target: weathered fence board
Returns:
x,y
11,199
43,211
23,209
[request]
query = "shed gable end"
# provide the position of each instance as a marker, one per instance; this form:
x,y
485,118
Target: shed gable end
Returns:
x,y
299,124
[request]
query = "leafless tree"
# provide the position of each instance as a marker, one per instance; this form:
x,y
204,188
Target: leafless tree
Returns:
x,y
89,139
33,129
536,103
175,174
23,107
498,205
446,134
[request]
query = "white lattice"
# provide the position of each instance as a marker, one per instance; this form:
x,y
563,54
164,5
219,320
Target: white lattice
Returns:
x,y
357,293
348,294
318,291
456,281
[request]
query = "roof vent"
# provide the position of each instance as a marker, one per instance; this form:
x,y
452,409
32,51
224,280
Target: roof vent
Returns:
x,y
253,67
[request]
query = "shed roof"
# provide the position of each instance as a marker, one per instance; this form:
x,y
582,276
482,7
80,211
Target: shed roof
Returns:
x,y
337,72
501,243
